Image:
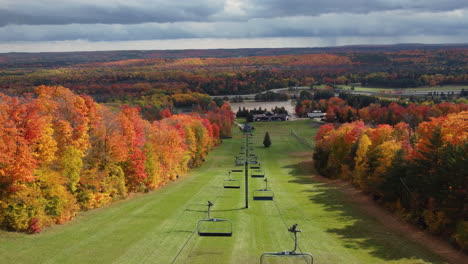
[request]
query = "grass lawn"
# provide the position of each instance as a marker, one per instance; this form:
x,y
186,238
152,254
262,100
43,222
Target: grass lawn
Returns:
x,y
159,227
428,88
439,88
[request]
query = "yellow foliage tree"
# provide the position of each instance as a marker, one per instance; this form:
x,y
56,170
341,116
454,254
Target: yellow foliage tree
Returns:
x,y
385,154
361,167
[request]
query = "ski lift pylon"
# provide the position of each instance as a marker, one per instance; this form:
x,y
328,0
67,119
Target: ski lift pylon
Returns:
x,y
308,258
214,226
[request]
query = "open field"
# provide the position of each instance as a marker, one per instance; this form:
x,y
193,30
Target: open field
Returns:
x,y
159,227
406,90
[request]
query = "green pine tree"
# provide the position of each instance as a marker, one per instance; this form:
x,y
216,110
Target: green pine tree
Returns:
x,y
267,140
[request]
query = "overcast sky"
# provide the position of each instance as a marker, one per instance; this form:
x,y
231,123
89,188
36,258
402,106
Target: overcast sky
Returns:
x,y
56,25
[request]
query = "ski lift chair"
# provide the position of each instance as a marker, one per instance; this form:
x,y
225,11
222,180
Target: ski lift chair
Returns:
x,y
252,160
239,163
307,257
237,169
255,166
257,174
264,194
231,183
214,226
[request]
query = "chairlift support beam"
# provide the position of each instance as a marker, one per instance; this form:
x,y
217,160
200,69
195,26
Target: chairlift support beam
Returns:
x,y
246,171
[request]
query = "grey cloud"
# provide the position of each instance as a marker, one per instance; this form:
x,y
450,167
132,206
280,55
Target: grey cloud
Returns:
x,y
279,8
377,24
54,12
59,12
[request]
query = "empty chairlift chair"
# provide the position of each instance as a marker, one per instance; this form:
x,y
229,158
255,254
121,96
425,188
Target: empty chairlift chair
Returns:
x,y
253,160
214,226
255,166
239,163
231,183
258,173
238,169
240,160
306,257
264,194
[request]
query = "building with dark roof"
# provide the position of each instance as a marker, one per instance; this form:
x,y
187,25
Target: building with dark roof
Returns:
x,y
269,116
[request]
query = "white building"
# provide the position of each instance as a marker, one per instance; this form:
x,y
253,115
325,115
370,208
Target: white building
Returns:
x,y
316,114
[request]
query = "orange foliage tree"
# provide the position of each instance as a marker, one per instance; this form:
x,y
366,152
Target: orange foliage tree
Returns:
x,y
60,152
419,173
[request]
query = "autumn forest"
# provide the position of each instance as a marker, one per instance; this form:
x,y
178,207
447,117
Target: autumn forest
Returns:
x,y
79,131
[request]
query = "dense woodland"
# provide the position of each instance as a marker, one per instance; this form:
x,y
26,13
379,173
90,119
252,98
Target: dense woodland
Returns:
x,y
372,110
61,152
411,157
420,173
121,76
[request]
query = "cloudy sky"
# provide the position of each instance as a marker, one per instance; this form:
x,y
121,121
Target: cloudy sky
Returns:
x,y
56,25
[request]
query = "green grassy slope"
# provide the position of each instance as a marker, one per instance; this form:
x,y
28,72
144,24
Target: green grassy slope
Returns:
x,y
159,227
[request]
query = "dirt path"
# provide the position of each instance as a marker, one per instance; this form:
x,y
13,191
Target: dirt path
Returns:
x,y
391,221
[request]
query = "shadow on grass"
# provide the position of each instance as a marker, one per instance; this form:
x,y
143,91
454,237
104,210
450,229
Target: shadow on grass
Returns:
x,y
364,232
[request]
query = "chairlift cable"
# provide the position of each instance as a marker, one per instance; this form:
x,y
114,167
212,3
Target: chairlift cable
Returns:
x,y
183,247
286,225
194,231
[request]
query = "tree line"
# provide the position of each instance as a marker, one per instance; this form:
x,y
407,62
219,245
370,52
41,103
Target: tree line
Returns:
x,y
119,80
372,110
420,174
61,152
